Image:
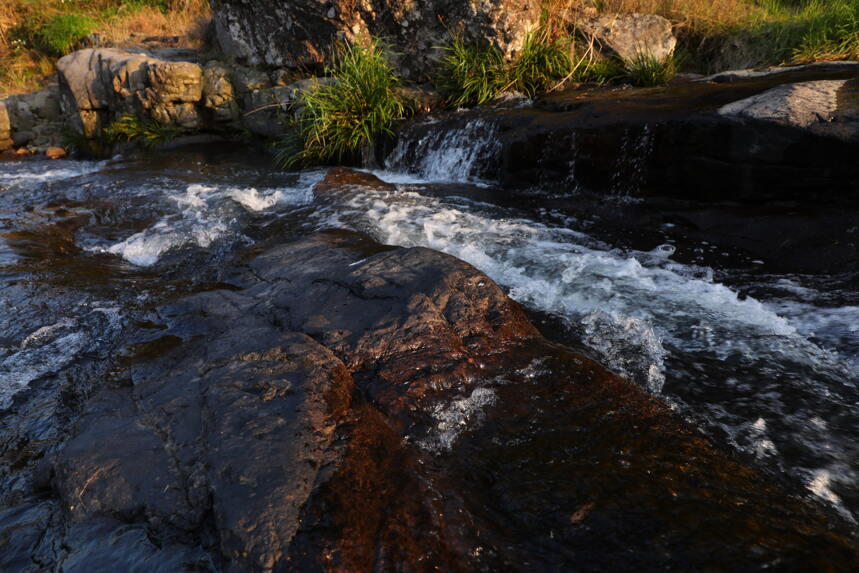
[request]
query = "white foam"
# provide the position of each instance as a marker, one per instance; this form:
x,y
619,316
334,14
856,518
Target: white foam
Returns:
x,y
645,299
455,418
28,173
452,155
203,216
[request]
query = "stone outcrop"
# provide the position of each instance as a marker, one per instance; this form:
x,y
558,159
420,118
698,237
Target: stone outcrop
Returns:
x,y
100,84
31,120
632,36
5,127
758,137
340,405
812,106
172,88
300,33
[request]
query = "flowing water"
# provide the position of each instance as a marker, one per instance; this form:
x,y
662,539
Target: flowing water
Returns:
x,y
763,359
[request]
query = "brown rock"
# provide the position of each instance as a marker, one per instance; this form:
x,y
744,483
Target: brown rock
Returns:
x,y
55,153
339,178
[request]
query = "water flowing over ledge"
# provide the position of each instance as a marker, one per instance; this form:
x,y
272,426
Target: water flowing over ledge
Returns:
x,y
158,269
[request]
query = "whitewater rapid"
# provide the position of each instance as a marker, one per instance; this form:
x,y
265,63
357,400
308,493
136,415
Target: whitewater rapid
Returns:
x,y
775,378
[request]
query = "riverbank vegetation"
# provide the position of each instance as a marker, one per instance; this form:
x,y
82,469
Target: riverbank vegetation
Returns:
x,y
34,33
360,102
146,132
719,34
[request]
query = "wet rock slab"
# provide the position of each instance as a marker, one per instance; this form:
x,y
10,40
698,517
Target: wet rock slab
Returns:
x,y
791,134
352,406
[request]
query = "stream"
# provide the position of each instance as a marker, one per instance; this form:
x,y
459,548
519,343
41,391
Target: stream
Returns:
x,y
761,353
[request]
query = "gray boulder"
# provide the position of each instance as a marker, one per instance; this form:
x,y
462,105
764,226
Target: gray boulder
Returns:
x,y
300,33
822,107
632,35
218,93
98,84
31,120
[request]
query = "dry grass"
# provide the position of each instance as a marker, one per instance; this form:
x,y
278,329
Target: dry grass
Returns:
x,y
24,66
188,23
720,34
700,17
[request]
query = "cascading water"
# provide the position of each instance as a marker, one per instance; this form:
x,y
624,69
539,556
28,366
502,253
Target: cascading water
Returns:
x,y
460,154
773,375
629,171
778,380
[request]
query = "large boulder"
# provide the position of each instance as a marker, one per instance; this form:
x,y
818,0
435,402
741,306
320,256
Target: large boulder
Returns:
x,y
825,107
5,127
31,120
99,84
300,33
170,87
350,406
632,36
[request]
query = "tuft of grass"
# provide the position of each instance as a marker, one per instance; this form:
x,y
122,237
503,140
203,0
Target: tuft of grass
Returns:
x,y
600,71
335,120
645,70
146,132
542,64
470,73
61,33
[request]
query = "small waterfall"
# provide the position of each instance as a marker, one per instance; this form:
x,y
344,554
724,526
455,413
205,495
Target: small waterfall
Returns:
x,y
437,151
630,168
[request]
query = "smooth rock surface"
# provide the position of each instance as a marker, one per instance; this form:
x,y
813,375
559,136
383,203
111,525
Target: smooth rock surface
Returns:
x,y
801,105
336,404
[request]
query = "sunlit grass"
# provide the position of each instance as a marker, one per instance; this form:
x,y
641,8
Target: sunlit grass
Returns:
x,y
32,31
361,103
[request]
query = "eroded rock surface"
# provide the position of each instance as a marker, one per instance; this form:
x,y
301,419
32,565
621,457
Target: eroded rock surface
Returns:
x,y
301,33
632,36
31,120
99,84
337,404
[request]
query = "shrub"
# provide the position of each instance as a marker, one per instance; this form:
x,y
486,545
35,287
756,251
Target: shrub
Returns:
x,y
334,120
146,132
645,70
471,74
542,64
62,32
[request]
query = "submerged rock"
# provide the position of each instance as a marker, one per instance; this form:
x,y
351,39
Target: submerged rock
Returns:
x,y
338,404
